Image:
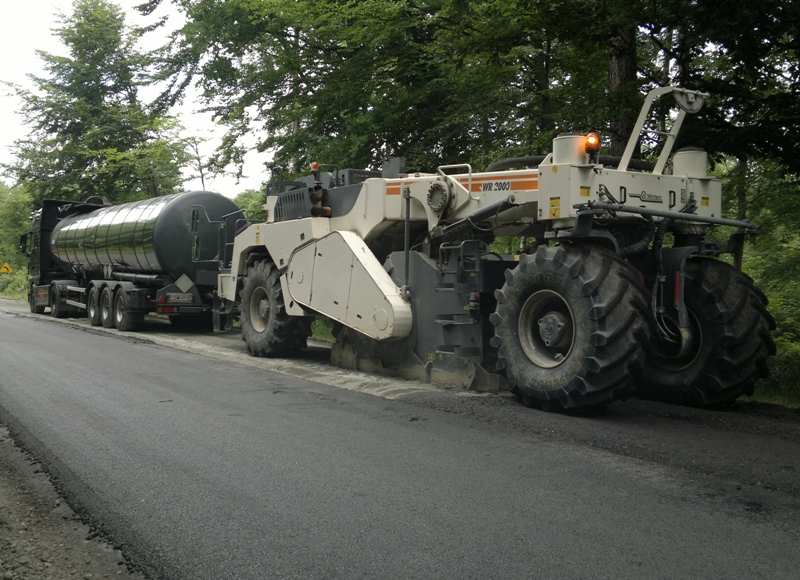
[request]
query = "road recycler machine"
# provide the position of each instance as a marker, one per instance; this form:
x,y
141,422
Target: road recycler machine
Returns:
x,y
616,286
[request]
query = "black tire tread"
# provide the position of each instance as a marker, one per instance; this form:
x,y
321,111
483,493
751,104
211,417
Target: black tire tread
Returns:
x,y
738,309
618,320
285,335
131,321
107,291
57,307
94,294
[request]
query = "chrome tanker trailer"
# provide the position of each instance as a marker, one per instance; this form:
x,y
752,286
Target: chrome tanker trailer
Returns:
x,y
116,263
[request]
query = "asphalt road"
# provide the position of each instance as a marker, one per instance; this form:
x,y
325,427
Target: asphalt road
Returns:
x,y
200,468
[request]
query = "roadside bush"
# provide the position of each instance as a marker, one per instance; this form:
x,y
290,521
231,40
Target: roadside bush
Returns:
x,y
15,209
13,285
783,385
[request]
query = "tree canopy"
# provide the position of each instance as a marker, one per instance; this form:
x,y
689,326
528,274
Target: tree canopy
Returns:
x,y
89,132
453,80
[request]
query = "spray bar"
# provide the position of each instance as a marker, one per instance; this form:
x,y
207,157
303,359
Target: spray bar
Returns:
x,y
676,215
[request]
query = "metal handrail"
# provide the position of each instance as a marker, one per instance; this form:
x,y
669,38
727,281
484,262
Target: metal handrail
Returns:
x,y
440,171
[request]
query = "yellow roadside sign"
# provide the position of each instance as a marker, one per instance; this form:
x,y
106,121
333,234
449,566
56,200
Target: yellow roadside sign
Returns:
x,y
6,268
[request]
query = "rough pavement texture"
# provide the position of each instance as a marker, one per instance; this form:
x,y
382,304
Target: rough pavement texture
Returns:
x,y
202,468
41,538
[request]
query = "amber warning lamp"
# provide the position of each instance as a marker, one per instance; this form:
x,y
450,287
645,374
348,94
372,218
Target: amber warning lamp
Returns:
x,y
592,145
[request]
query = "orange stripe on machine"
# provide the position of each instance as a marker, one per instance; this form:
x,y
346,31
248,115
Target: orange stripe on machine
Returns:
x,y
514,182
502,182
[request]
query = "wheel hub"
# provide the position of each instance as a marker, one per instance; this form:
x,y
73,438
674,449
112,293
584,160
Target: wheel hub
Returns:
x,y
551,328
546,328
259,309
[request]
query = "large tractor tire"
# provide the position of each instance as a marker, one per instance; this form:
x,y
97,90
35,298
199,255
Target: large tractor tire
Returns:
x,y
267,329
570,327
732,340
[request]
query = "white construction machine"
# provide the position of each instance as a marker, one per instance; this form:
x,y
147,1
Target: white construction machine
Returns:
x,y
617,284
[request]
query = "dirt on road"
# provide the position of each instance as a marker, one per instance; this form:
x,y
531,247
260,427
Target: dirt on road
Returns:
x,y
41,538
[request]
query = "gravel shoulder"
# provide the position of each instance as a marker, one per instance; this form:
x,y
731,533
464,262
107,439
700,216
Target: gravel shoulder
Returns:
x,y
41,538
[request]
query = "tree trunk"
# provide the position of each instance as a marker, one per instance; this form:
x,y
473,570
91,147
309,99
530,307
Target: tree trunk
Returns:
x,y
546,120
622,85
666,79
740,187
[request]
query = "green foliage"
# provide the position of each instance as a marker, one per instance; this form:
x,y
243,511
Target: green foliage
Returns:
x,y
89,133
773,257
322,330
15,209
252,202
354,83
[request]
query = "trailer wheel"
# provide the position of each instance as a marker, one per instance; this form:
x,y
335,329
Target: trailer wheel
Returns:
x,y
58,309
266,327
35,309
93,306
107,307
732,332
570,326
124,319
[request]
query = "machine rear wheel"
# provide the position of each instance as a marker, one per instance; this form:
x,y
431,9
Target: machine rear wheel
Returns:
x,y
93,306
570,326
107,307
732,332
267,329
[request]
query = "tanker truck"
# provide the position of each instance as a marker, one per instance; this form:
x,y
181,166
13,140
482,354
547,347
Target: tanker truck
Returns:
x,y
116,263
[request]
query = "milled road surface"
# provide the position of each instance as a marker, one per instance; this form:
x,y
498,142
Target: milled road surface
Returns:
x,y
201,468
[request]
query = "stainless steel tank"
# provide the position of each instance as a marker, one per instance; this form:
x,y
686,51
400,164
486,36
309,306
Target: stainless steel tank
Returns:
x,y
170,235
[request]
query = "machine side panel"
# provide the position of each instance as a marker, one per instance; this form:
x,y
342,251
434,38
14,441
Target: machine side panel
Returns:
x,y
281,238
563,186
340,277
333,269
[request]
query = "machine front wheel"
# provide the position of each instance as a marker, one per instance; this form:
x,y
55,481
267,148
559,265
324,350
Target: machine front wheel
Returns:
x,y
267,328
